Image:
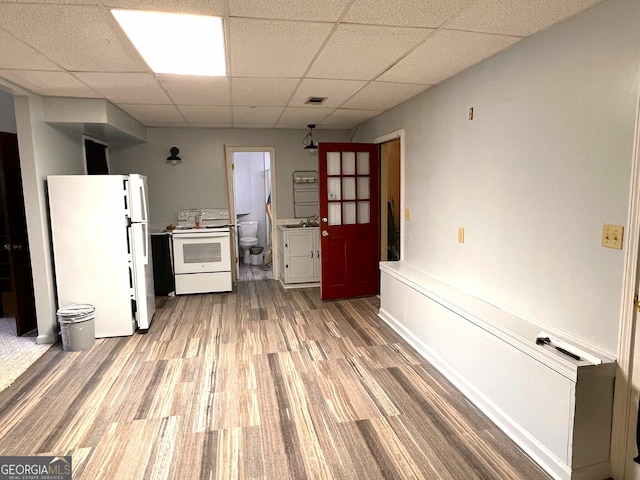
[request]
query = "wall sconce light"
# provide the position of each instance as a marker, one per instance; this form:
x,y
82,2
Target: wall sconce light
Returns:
x,y
309,146
174,159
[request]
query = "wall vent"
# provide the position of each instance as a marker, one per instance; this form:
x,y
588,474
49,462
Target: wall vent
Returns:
x,y
315,100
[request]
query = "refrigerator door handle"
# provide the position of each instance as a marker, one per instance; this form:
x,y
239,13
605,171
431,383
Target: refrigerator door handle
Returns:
x,y
145,243
138,198
143,196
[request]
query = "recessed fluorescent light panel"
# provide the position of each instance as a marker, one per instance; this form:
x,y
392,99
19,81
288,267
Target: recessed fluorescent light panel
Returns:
x,y
176,43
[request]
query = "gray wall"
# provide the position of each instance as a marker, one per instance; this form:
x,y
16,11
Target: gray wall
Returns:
x,y
545,162
7,113
200,180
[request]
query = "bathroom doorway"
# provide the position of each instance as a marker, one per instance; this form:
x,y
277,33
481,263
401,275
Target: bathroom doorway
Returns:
x,y
250,189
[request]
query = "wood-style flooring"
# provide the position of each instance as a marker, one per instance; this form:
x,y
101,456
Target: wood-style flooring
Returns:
x,y
248,272
261,383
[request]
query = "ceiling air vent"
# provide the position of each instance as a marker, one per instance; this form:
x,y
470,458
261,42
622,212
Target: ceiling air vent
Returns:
x,y
315,100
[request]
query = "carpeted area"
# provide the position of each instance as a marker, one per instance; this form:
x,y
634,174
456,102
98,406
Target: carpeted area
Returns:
x,y
16,353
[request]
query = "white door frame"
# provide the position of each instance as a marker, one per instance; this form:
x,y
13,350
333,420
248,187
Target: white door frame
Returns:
x,y
229,152
625,405
387,138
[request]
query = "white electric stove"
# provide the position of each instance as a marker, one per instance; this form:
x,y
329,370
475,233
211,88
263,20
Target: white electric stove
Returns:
x,y
202,251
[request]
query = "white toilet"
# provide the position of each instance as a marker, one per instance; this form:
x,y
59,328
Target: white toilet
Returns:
x,y
248,234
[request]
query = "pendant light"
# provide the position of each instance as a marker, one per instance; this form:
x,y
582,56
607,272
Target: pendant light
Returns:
x,y
308,143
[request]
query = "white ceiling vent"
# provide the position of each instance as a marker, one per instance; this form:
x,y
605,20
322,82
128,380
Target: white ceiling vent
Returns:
x,y
315,100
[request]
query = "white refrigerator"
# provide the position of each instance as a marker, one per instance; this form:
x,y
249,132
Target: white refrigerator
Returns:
x,y
101,249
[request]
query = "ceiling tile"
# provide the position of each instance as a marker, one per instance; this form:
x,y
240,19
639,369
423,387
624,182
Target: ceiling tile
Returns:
x,y
151,113
129,88
298,117
383,96
17,55
365,56
515,17
208,115
344,118
406,13
201,7
444,54
78,38
326,10
196,90
261,115
263,92
54,84
336,91
267,48
361,52
54,2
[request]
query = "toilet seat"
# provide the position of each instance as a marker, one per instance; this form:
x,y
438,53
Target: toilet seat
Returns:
x,y
246,242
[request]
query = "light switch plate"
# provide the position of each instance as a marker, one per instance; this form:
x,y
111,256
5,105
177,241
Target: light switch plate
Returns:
x,y
612,236
461,234
407,214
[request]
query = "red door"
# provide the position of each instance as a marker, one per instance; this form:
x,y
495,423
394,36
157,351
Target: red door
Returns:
x,y
349,219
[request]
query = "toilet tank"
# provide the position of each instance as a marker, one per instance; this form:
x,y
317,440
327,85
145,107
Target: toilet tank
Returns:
x,y
248,229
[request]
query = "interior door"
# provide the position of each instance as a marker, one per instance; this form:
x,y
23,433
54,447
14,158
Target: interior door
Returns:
x,y
16,243
349,219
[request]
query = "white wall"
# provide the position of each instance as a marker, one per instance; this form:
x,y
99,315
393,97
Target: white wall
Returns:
x,y
44,150
201,178
532,179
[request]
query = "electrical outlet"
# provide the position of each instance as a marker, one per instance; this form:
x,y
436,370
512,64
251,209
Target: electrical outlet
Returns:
x,y
407,214
461,234
612,236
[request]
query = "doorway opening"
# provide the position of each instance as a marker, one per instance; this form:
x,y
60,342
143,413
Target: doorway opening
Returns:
x,y
250,191
391,195
390,200
16,281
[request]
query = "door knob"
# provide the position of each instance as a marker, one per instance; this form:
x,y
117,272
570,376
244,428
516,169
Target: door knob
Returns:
x,y
324,219
325,233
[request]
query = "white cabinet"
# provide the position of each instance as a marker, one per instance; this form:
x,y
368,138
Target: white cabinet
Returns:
x,y
299,254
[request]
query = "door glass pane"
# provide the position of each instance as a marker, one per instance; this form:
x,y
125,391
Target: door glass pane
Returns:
x,y
349,212
348,188
363,163
333,188
333,163
348,163
363,188
363,212
335,213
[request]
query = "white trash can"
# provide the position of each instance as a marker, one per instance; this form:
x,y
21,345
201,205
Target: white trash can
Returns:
x,y
77,327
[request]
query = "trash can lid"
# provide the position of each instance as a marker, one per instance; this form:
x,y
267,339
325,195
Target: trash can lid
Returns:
x,y
76,310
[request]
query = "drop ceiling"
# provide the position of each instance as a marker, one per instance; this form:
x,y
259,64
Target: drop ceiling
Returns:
x,y
364,56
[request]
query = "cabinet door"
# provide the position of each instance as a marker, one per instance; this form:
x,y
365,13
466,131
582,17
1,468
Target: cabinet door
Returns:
x,y
300,257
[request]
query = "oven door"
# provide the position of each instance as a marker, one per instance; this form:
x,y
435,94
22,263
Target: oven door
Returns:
x,y
201,252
